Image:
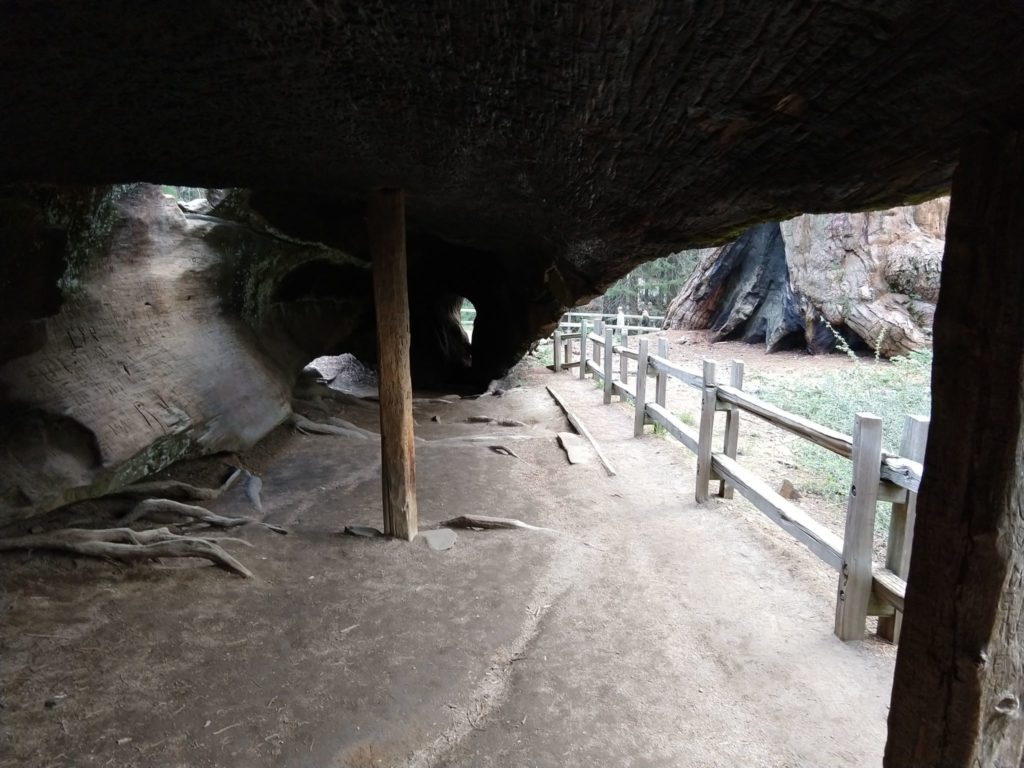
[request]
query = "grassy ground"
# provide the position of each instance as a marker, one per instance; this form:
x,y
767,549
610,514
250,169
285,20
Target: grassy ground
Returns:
x,y
889,389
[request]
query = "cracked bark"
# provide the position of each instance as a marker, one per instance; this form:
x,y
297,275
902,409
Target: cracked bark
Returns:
x,y
958,684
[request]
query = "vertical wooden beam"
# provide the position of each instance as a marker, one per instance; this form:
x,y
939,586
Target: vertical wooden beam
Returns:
x,y
705,433
639,414
732,425
386,223
624,366
959,681
854,591
608,360
557,351
661,380
583,348
901,523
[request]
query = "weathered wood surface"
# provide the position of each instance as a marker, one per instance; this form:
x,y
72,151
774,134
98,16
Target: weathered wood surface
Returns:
x,y
904,472
386,223
709,399
902,521
661,377
854,590
607,360
661,416
889,587
834,441
584,335
957,691
575,448
624,391
663,365
581,428
145,366
640,394
732,424
816,537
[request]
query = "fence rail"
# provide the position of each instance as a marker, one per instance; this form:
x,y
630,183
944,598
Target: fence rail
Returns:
x,y
863,589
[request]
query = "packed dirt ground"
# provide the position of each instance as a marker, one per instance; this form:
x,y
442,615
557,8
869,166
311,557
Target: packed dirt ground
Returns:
x,y
643,630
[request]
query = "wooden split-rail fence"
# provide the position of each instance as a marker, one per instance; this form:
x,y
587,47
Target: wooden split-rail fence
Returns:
x,y
863,589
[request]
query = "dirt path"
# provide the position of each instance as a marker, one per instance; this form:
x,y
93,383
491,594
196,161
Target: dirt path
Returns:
x,y
646,631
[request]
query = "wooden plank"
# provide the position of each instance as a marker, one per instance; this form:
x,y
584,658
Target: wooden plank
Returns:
x,y
623,362
557,351
732,424
660,415
625,352
661,379
705,433
578,424
666,366
902,521
639,407
891,494
854,588
904,472
827,438
624,391
386,225
573,364
791,518
889,587
583,349
574,447
609,359
595,369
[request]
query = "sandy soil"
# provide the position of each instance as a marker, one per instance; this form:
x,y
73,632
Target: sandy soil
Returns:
x,y
643,631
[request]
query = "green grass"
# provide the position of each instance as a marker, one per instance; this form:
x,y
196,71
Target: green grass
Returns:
x,y
687,418
891,390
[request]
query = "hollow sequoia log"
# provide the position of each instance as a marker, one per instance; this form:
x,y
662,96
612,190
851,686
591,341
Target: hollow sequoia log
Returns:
x,y
960,670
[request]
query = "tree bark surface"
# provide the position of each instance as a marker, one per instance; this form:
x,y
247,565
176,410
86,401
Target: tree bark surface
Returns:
x,y
958,683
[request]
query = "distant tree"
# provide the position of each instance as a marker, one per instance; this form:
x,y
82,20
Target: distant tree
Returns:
x,y
652,285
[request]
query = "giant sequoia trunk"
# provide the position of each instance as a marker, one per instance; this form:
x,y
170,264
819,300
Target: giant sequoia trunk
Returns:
x,y
873,277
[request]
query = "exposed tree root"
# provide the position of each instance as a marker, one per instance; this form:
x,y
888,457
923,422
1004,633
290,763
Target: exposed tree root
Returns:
x,y
167,511
125,544
490,523
175,489
309,427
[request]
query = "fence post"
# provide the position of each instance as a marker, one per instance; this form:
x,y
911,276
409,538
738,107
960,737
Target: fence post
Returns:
x,y
598,352
624,366
901,524
557,349
608,360
661,380
706,432
854,591
640,414
583,348
732,424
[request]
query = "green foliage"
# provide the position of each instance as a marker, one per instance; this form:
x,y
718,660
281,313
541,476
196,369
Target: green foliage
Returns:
x,y
891,390
652,285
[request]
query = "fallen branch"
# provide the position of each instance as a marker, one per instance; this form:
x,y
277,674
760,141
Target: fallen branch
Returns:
x,y
125,544
575,421
490,523
173,511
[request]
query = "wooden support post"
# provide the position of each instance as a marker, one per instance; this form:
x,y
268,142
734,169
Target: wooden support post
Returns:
x,y
901,523
855,574
957,692
557,351
598,351
661,380
624,367
567,351
640,412
386,223
732,425
583,347
609,359
709,401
